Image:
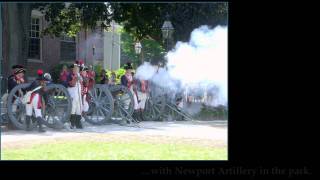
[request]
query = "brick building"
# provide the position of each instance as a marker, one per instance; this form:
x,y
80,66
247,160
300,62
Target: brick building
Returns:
x,y
100,47
44,52
93,46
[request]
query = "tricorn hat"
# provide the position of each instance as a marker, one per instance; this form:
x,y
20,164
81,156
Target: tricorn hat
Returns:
x,y
128,65
84,68
42,78
17,66
19,70
73,65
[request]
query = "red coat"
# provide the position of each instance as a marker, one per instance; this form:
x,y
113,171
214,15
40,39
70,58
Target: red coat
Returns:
x,y
91,76
144,86
64,76
84,85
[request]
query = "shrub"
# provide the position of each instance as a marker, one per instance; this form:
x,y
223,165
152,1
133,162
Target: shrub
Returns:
x,y
212,113
119,73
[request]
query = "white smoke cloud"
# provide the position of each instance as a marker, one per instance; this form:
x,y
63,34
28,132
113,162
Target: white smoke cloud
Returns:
x,y
203,60
200,63
145,71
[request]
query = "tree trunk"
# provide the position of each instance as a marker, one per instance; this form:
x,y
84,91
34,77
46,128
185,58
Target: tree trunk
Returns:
x,y
19,17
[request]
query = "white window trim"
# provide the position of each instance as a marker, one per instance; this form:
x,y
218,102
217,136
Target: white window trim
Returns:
x,y
63,40
37,14
67,41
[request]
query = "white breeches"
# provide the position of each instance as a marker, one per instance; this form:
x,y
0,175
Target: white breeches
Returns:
x,y
135,100
137,105
75,93
76,106
85,104
143,98
34,106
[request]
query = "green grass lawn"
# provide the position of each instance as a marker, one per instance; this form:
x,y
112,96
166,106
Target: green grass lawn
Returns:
x,y
94,150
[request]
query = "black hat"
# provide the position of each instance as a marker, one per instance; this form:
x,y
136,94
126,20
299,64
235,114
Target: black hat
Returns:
x,y
73,65
43,78
47,76
17,66
20,70
84,68
128,66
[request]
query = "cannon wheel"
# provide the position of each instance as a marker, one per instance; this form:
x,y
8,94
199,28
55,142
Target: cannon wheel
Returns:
x,y
57,106
16,109
154,108
56,110
100,105
123,102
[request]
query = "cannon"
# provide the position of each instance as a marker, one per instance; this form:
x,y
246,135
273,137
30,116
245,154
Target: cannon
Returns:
x,y
155,103
56,109
107,103
101,105
163,103
124,104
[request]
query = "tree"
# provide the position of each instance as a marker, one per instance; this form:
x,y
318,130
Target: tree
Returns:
x,y
71,18
17,28
152,51
142,20
146,19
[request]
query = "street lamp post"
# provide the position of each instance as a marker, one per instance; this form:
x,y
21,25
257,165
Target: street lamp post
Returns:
x,y
167,31
93,53
93,50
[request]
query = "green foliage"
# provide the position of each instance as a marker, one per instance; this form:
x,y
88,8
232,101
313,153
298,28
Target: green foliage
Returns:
x,y
145,19
212,113
98,68
141,20
120,72
70,20
152,51
127,49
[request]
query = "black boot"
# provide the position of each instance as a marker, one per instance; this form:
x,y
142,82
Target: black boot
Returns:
x,y
39,119
78,122
28,120
33,119
141,115
135,115
72,121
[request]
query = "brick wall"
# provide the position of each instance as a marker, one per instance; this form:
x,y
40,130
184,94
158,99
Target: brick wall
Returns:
x,y
50,54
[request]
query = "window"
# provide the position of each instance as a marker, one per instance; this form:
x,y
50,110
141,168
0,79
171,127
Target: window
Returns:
x,y
68,39
67,48
34,43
